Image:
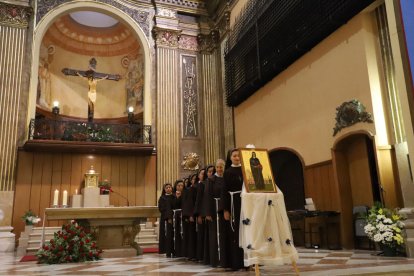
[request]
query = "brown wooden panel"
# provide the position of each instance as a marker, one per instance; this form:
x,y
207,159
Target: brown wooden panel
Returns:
x,y
106,167
116,187
140,181
123,180
36,182
150,181
56,181
321,187
22,190
77,175
45,192
131,185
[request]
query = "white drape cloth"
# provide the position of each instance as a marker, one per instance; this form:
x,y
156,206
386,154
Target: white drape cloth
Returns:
x,y
265,239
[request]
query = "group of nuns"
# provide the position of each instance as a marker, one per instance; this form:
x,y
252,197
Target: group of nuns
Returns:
x,y
200,215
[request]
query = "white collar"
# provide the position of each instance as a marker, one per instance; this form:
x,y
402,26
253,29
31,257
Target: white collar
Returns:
x,y
217,175
235,166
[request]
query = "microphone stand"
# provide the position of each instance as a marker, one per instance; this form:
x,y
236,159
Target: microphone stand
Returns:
x,y
122,197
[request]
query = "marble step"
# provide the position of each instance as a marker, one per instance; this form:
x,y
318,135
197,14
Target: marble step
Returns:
x,y
146,243
147,237
38,230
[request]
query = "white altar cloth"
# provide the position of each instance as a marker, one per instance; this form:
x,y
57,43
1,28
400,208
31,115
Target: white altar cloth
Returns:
x,y
266,236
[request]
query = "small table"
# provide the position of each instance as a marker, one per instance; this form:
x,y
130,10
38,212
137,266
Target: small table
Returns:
x,y
318,223
115,228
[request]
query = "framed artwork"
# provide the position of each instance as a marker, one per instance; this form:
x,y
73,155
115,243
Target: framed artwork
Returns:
x,y
257,172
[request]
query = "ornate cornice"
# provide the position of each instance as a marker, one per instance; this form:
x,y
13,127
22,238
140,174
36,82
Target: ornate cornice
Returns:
x,y
187,6
208,42
14,16
166,37
139,16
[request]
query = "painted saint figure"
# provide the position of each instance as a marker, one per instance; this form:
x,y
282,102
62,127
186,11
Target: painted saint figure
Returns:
x,y
257,169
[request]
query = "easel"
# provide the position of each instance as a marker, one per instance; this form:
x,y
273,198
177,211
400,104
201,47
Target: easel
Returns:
x,y
257,271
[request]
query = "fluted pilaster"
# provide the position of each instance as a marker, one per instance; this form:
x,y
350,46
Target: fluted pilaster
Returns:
x,y
212,106
13,32
167,107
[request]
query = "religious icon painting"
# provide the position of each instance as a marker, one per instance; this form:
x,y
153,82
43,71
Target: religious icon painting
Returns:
x,y
257,172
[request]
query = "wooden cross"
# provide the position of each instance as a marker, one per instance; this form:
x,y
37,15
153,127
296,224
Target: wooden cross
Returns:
x,y
93,77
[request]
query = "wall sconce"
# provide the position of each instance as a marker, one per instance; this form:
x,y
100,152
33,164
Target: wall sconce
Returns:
x,y
55,109
130,115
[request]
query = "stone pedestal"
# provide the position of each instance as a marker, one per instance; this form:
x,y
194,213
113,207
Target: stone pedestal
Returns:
x,y
91,197
409,230
104,201
6,239
24,240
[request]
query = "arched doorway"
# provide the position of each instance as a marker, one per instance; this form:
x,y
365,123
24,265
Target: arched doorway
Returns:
x,y
356,174
45,23
287,169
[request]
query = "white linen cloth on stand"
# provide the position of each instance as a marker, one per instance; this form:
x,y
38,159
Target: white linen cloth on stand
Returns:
x,y
266,236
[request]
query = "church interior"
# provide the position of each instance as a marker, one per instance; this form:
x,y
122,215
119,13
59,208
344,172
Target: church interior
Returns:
x,y
103,102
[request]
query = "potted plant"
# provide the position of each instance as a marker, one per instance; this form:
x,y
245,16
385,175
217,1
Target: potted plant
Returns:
x,y
105,187
384,226
30,218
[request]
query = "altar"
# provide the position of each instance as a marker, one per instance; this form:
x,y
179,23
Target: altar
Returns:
x,y
115,228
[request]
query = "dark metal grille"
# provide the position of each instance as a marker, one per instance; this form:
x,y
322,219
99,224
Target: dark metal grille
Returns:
x,y
270,35
48,129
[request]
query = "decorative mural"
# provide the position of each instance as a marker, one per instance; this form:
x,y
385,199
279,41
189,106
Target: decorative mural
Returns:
x,y
189,96
134,82
139,16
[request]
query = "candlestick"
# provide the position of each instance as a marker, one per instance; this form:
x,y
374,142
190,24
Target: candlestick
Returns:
x,y
56,198
65,198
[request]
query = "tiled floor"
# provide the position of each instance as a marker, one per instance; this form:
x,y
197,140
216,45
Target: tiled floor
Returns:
x,y
310,262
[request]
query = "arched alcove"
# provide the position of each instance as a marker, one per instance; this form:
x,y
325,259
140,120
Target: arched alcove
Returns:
x,y
287,167
48,20
356,173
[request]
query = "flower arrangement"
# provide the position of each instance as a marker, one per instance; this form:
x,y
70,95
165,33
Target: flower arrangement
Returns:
x,y
385,226
30,218
105,186
73,243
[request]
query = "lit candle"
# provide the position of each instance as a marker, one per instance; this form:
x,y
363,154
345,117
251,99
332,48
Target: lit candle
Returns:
x,y
65,198
56,198
76,191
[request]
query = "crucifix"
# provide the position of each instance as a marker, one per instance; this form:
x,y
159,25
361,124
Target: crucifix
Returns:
x,y
92,77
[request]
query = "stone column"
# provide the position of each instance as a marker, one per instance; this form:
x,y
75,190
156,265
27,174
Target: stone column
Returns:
x,y
167,105
14,22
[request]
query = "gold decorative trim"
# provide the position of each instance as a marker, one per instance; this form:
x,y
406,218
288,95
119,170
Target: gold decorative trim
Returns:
x,y
208,42
191,161
15,16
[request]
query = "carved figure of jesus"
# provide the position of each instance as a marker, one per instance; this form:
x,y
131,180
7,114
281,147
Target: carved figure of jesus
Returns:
x,y
92,82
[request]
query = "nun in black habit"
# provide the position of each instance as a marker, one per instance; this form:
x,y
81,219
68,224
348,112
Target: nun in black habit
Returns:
x,y
200,219
189,221
178,222
212,191
231,203
165,206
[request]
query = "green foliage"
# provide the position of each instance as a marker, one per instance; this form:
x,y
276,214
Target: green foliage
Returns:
x,y
72,244
30,218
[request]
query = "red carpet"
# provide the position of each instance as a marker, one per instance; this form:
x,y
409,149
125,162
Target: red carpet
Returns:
x,y
150,250
28,258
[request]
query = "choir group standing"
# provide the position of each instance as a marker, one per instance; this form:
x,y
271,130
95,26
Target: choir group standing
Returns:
x,y
200,215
